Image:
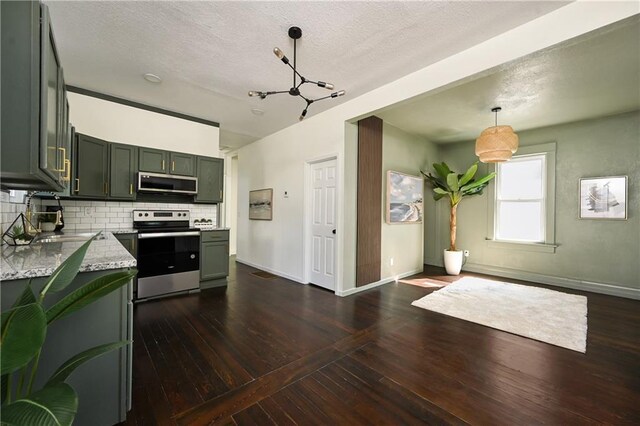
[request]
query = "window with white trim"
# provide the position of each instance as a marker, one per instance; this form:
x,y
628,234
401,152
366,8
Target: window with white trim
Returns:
x,y
521,199
521,215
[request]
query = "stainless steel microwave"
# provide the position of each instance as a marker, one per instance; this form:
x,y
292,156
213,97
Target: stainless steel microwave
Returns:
x,y
169,184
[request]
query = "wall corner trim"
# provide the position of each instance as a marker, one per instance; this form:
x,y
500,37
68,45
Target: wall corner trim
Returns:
x,y
383,281
273,271
576,284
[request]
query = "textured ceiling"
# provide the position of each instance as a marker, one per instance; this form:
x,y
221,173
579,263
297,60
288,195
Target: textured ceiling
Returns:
x,y
593,76
210,54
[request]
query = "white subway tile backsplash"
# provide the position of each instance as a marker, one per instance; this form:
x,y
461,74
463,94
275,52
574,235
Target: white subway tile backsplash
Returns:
x,y
104,215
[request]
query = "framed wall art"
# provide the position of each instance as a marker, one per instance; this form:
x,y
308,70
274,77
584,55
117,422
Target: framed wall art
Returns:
x,y
603,197
404,198
261,204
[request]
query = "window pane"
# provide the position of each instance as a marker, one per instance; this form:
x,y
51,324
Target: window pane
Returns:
x,y
521,179
520,221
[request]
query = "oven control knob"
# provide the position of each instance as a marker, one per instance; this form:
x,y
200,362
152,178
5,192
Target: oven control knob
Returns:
x,y
193,256
146,214
140,214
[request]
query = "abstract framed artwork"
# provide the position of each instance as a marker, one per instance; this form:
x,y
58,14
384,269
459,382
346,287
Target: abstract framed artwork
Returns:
x,y
603,198
404,198
261,204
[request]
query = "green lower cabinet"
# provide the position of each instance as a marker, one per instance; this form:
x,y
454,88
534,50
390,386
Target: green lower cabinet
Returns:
x,y
104,383
214,258
210,173
122,176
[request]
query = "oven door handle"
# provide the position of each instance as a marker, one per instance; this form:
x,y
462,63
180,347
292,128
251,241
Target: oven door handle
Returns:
x,y
168,234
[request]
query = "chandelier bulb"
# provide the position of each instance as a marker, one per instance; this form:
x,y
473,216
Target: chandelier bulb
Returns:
x,y
254,93
278,53
336,94
327,86
303,114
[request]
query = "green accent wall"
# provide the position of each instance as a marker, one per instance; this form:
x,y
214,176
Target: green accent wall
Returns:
x,y
406,243
599,255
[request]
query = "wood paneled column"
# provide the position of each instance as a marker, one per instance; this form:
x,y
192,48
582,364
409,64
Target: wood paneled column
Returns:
x,y
369,215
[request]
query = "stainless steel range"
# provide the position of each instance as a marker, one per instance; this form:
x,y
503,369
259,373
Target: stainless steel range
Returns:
x,y
168,252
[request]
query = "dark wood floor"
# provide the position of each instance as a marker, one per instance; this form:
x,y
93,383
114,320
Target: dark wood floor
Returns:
x,y
277,352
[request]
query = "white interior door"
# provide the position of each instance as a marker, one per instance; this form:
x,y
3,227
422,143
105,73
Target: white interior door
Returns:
x,y
323,223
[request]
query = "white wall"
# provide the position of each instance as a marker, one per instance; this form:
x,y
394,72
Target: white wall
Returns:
x,y
278,160
115,122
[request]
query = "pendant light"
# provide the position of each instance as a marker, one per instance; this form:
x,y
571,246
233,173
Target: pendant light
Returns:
x,y
295,33
496,144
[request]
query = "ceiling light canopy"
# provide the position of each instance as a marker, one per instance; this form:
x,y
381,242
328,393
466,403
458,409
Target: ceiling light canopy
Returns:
x,y
496,144
295,33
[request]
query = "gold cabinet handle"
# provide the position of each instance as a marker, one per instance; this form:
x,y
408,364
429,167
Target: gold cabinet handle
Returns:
x,y
221,194
162,164
67,166
77,185
173,166
106,188
130,189
64,155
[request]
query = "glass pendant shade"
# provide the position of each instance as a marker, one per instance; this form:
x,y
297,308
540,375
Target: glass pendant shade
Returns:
x,y
496,144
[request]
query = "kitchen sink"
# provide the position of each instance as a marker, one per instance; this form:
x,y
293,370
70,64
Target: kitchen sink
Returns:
x,y
63,238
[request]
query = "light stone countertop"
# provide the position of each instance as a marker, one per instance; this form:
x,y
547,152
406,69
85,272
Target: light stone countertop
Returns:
x,y
41,259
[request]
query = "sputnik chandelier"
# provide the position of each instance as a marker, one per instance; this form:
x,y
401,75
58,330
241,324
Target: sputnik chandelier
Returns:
x,y
295,33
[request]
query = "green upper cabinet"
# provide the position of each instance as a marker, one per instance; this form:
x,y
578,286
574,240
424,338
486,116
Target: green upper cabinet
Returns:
x,y
122,171
32,99
210,179
183,164
91,164
153,160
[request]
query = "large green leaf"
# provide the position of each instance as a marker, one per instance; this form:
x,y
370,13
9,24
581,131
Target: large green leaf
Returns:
x,y
442,170
440,191
452,181
439,196
26,297
54,405
23,332
67,271
469,174
89,293
478,182
72,363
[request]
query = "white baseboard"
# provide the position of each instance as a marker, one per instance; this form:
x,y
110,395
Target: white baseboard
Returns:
x,y
273,271
602,288
377,283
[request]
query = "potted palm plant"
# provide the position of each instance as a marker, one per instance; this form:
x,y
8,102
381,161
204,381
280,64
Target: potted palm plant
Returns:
x,y
455,186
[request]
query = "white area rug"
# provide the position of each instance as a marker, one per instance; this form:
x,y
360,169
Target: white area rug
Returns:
x,y
537,313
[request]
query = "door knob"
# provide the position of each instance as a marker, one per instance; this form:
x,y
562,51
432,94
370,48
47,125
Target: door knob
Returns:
x,y
334,232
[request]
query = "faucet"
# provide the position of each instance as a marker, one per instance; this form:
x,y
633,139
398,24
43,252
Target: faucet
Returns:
x,y
28,213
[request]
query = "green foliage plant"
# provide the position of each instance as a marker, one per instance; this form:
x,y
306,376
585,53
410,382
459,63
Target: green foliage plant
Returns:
x,y
24,330
455,187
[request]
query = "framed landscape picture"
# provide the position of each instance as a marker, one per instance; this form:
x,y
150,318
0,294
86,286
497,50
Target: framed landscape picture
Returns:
x,y
404,198
261,204
603,198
